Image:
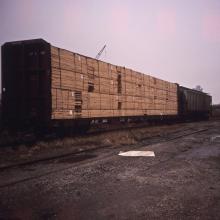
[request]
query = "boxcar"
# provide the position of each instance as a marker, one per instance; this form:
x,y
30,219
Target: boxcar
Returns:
x,y
46,85
194,104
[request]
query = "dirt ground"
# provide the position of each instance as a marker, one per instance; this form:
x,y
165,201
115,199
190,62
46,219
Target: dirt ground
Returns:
x,y
182,181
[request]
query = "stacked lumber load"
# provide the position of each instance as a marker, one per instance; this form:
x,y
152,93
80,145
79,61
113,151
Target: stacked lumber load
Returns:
x,y
83,87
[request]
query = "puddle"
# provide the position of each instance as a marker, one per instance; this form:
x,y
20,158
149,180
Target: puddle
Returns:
x,y
137,154
76,158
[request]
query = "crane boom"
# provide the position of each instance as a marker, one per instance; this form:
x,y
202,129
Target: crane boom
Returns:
x,y
100,52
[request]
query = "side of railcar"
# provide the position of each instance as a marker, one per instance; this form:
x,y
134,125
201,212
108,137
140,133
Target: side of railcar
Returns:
x,y
47,86
86,88
194,104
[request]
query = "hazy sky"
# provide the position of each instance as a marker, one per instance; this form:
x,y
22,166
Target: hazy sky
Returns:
x,y
175,40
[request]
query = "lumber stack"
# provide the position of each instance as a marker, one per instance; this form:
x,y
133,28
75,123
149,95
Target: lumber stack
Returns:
x,y
82,87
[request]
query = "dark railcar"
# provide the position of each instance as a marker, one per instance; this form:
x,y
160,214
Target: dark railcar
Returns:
x,y
26,82
194,104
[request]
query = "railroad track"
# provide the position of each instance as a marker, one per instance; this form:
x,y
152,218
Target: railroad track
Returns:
x,y
177,135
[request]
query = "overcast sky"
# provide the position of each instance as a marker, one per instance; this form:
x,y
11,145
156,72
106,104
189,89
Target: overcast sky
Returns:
x,y
175,40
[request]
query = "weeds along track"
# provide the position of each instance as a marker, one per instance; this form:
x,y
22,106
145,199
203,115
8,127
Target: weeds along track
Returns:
x,y
30,137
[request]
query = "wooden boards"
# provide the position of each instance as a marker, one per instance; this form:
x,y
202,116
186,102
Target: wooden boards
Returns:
x,y
83,87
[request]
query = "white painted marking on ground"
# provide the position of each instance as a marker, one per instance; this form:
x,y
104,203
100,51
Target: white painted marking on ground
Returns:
x,y
137,154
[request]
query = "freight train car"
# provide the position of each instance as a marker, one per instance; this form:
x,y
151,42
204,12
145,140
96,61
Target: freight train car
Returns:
x,y
48,86
193,104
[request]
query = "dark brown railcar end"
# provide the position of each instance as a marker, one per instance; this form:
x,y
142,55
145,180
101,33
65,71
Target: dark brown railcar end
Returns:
x,y
26,83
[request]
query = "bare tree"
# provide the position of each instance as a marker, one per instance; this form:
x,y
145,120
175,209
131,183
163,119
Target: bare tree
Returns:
x,y
198,88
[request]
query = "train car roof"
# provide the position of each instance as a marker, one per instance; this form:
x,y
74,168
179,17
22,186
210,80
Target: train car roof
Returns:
x,y
194,90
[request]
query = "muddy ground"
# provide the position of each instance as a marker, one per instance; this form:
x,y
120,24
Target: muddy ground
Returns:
x,y
182,181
